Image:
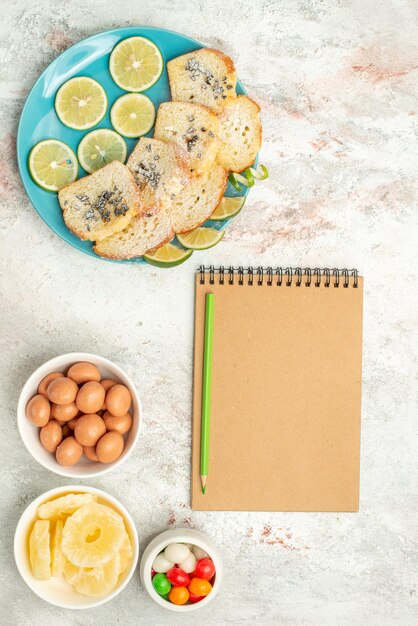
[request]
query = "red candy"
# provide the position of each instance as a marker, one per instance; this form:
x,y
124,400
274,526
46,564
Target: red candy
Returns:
x,y
204,569
193,599
178,577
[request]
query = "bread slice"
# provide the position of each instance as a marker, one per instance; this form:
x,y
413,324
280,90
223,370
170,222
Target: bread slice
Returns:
x,y
160,169
206,76
100,204
196,203
240,134
194,128
145,233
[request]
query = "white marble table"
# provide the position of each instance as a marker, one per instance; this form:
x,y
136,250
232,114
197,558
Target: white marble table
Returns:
x,y
338,86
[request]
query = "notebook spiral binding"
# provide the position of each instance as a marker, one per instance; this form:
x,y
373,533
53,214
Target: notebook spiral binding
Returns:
x,y
280,276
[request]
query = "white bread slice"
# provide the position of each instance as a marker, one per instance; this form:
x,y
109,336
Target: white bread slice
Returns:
x,y
206,76
145,233
160,169
100,204
196,203
192,127
240,134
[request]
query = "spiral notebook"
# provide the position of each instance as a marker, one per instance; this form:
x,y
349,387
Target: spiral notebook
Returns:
x,y
286,389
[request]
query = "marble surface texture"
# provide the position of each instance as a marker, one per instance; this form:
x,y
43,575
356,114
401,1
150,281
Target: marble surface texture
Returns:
x,y
337,81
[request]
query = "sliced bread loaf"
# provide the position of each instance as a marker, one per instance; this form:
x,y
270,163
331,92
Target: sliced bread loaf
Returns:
x,y
240,134
196,203
206,76
160,169
102,203
145,233
193,127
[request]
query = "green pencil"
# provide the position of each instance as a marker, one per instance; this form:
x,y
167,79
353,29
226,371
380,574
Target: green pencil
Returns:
x,y
206,390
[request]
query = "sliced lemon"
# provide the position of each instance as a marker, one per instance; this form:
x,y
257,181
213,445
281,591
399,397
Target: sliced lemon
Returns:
x,y
201,238
228,207
100,147
92,535
61,507
81,103
52,164
135,64
167,256
94,582
57,555
132,115
39,552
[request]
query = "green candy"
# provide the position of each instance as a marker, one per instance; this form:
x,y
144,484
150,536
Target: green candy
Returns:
x,y
161,584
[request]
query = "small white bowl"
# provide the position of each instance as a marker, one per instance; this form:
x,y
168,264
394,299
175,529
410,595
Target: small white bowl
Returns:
x,y
30,433
180,535
56,590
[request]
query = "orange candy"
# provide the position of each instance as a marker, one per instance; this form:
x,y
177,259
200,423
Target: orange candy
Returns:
x,y
178,595
200,587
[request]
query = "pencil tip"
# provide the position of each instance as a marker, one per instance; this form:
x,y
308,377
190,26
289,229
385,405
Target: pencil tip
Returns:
x,y
204,489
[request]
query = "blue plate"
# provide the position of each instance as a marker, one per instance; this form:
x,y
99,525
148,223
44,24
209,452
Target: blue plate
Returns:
x,y
38,121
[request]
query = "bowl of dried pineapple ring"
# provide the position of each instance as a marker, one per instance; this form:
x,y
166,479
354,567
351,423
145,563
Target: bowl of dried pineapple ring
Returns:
x,y
76,547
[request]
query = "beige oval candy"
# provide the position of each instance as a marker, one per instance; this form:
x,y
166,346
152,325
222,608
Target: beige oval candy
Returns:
x,y
64,412
90,397
69,452
120,424
90,453
118,400
43,385
38,410
110,447
62,391
89,429
83,372
107,383
71,424
51,436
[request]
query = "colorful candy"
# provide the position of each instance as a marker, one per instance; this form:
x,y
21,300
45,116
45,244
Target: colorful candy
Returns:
x,y
161,565
189,564
205,569
176,552
178,577
200,587
181,574
178,595
161,584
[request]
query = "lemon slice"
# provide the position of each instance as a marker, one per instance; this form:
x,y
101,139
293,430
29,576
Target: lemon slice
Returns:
x,y
132,115
228,207
201,238
39,552
52,164
81,103
135,64
100,147
167,256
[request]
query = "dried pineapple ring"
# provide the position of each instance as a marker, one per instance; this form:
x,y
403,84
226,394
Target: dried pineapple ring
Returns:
x,y
66,505
125,553
92,535
94,582
57,556
39,552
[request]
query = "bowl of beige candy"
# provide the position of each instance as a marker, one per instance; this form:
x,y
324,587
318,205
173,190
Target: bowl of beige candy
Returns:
x,y
79,415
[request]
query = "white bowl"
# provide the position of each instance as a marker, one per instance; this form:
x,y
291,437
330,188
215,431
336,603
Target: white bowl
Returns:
x,y
180,535
56,590
30,433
